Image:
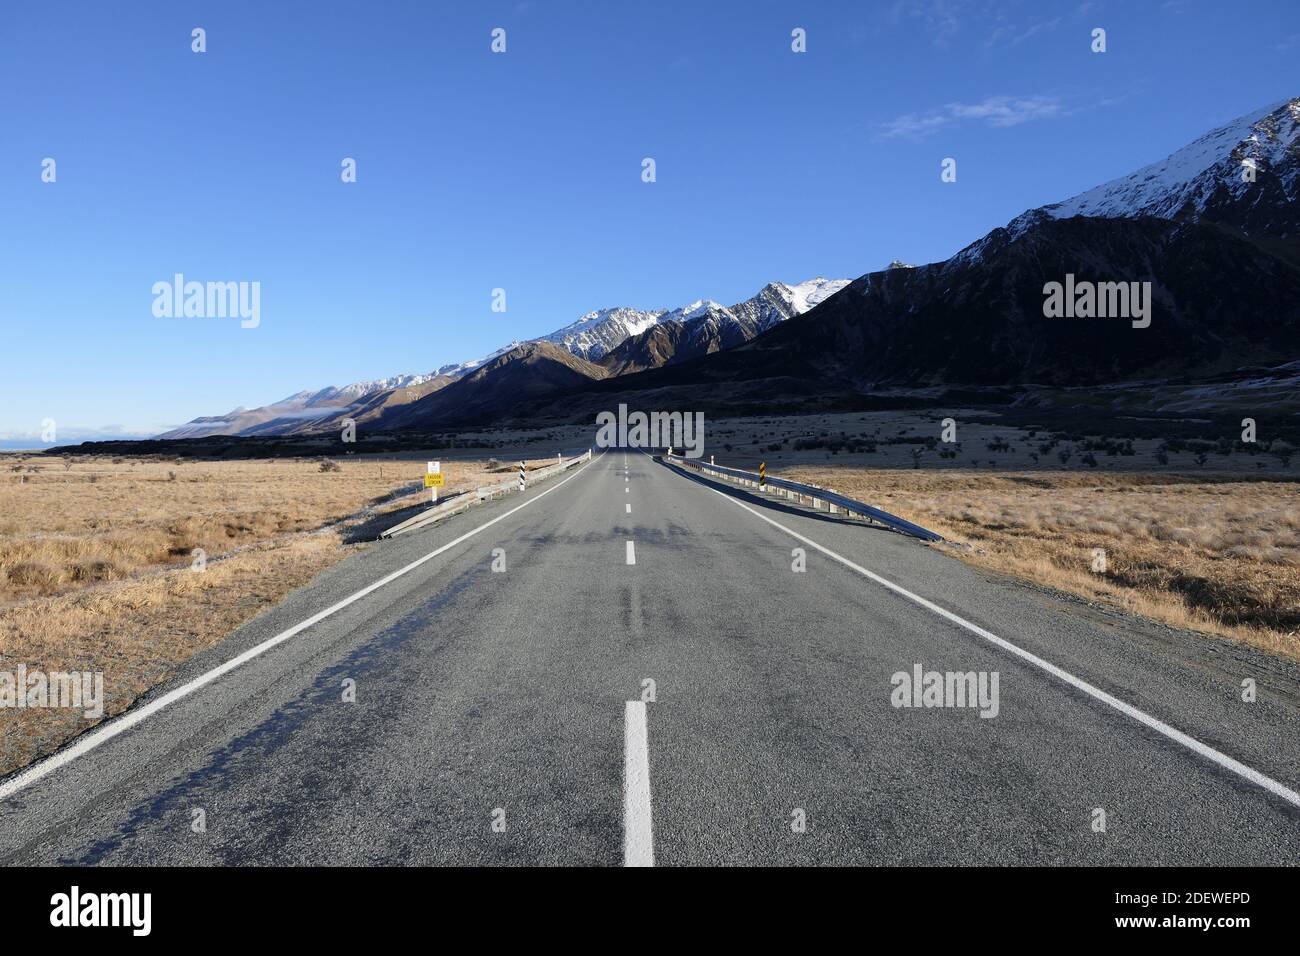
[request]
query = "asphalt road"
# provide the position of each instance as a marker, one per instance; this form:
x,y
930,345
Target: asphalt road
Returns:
x,y
491,722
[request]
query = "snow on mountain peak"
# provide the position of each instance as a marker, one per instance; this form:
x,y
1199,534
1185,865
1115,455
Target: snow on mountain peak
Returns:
x,y
595,333
590,337
1192,174
1208,177
804,295
696,309
460,368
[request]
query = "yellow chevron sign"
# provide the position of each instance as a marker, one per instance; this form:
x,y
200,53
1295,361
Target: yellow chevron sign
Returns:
x,y
433,481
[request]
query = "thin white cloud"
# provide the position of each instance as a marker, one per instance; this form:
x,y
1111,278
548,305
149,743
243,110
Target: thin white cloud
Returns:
x,y
1014,36
942,19
996,111
78,433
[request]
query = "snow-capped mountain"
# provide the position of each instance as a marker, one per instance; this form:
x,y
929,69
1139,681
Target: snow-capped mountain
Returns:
x,y
531,372
546,369
705,327
1219,250
1206,180
346,394
1214,228
1217,247
1189,180
457,369
592,337
597,332
1256,156
804,295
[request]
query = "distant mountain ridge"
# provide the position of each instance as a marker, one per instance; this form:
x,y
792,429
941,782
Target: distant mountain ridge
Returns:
x,y
708,327
1214,228
301,407
1221,252
1209,177
591,338
539,371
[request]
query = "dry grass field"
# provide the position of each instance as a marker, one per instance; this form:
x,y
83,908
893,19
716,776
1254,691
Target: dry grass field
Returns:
x,y
1218,553
96,554
911,440
97,558
1201,534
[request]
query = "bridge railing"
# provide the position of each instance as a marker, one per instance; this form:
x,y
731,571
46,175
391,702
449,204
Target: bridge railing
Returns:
x,y
461,502
833,500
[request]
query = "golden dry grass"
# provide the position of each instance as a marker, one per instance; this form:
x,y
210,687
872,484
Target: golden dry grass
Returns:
x,y
62,529
137,632
95,561
1214,554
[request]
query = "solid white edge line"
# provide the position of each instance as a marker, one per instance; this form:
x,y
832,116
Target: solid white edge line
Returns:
x,y
1191,743
117,725
631,553
638,834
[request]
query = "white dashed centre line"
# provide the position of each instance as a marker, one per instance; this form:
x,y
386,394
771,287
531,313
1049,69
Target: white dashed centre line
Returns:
x,y
631,553
638,835
628,506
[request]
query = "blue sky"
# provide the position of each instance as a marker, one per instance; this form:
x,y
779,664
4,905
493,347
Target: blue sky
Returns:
x,y
522,170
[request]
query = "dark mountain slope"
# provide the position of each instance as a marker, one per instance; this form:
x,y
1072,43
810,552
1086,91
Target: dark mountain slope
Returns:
x,y
519,379
1220,247
1219,300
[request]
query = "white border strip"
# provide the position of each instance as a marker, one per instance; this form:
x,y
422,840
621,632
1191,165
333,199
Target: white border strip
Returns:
x,y
107,731
1191,743
638,836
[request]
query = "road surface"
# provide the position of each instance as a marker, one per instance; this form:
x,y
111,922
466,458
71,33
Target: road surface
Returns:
x,y
499,714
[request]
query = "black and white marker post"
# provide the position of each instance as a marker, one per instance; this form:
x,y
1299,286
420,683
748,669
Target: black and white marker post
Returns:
x,y
433,480
522,483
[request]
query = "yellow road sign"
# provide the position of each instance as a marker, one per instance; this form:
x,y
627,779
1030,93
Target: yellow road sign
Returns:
x,y
433,481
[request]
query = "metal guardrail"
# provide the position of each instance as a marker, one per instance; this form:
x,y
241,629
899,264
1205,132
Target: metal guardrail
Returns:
x,y
513,485
461,502
833,499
